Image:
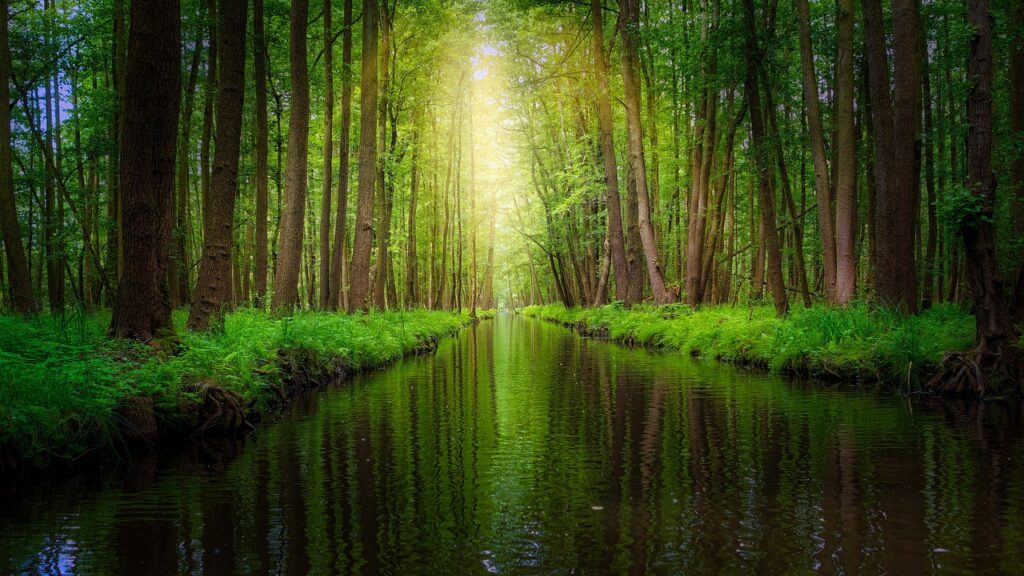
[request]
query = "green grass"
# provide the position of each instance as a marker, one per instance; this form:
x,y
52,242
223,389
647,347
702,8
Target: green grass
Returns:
x,y
853,343
61,379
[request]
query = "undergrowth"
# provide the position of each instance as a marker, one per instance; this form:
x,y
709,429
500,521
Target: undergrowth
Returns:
x,y
854,343
62,379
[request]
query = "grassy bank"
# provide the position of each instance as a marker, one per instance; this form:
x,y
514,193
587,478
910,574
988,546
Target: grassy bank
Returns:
x,y
855,344
67,391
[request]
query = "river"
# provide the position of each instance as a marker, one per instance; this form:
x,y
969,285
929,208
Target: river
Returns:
x,y
521,448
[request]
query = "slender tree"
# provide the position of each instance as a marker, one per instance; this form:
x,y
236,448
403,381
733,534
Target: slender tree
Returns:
x,y
363,241
845,244
286,279
262,178
213,287
629,23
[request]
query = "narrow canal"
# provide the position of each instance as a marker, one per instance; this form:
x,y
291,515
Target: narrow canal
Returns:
x,y
520,448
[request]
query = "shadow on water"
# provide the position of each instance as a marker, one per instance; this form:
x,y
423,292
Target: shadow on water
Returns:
x,y
521,448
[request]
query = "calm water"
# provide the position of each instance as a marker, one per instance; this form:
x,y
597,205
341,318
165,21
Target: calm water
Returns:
x,y
520,448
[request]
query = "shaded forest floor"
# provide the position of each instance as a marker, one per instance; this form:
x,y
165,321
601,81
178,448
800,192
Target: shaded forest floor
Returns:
x,y
67,392
855,344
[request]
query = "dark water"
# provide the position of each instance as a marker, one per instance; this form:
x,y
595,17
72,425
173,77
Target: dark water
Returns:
x,y
520,448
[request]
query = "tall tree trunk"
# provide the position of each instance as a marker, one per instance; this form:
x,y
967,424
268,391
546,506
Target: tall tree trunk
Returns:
x,y
896,163
209,91
931,274
412,297
325,199
628,29
616,242
178,273
262,149
152,99
846,161
1017,129
17,264
763,167
338,256
286,279
363,241
385,192
994,355
822,190
213,289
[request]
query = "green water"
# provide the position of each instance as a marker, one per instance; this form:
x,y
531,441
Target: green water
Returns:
x,y
520,448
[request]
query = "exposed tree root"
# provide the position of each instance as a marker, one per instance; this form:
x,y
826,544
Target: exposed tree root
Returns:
x,y
975,372
218,408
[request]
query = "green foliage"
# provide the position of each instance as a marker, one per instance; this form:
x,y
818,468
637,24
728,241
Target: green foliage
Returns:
x,y
855,343
61,379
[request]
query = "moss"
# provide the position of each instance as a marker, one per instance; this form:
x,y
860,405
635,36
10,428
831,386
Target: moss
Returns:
x,y
853,343
63,383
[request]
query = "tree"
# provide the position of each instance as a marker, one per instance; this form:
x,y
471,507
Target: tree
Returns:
x,y
822,189
325,195
993,356
260,66
17,264
152,97
762,165
845,160
286,280
338,256
629,24
363,241
616,243
213,286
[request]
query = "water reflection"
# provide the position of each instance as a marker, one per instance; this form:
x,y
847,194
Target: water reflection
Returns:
x,y
519,448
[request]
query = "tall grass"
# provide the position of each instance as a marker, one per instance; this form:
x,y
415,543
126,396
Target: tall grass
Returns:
x,y
61,379
854,343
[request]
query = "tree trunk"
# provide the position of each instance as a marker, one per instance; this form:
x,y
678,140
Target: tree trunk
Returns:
x,y
325,198
628,29
412,297
262,150
763,167
993,355
1017,129
152,98
208,102
178,273
286,279
213,289
363,241
17,264
338,256
931,274
616,242
822,190
846,162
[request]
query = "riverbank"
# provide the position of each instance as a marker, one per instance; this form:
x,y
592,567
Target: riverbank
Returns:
x,y
67,392
853,344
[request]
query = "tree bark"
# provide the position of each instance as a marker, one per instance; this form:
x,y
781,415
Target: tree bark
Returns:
x,y
846,162
822,189
325,197
363,241
286,279
992,319
616,242
213,288
628,28
338,256
152,99
1017,129
17,264
262,149
763,167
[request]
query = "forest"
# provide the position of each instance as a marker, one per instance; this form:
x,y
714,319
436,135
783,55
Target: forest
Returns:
x,y
687,174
